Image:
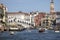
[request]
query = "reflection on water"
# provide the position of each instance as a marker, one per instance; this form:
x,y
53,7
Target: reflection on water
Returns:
x,y
30,35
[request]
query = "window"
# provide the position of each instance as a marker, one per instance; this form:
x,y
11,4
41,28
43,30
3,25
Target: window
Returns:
x,y
11,20
18,20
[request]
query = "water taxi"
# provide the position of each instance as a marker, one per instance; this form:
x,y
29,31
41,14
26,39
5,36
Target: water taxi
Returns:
x,y
41,30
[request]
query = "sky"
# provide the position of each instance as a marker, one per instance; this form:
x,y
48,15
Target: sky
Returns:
x,y
30,5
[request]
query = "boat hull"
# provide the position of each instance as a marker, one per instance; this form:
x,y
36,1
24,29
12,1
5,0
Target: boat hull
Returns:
x,y
57,31
41,30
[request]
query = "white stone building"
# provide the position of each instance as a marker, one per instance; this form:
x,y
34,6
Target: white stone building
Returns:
x,y
21,18
18,18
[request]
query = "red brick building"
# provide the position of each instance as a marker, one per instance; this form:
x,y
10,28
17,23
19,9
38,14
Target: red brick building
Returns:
x,y
38,18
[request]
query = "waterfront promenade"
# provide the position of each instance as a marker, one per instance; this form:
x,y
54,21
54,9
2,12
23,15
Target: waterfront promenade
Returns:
x,y
30,35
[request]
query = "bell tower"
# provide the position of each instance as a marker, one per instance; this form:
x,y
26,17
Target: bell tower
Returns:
x,y
52,7
52,12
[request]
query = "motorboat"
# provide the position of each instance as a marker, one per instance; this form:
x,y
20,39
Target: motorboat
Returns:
x,y
11,32
45,28
57,31
41,30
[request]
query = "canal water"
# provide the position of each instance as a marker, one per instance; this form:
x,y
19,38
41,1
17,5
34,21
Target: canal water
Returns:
x,y
30,35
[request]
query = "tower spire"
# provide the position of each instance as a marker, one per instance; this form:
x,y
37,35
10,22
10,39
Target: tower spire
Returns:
x,y
52,7
51,1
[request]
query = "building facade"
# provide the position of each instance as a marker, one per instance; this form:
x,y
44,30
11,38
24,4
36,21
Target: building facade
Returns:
x,y
38,18
22,18
3,16
18,18
58,18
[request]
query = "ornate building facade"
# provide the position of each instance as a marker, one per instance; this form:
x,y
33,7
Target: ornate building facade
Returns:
x,y
3,16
